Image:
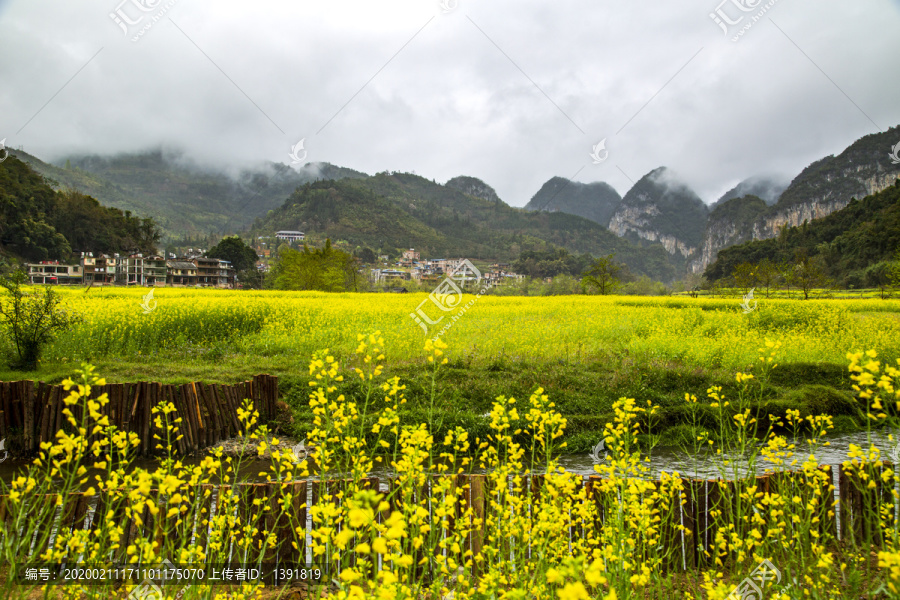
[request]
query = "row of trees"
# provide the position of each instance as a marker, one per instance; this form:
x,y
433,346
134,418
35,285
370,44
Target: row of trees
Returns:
x,y
805,273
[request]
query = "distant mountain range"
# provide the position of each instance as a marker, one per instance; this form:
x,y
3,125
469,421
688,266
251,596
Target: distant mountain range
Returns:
x,y
184,200
855,243
661,208
660,227
401,210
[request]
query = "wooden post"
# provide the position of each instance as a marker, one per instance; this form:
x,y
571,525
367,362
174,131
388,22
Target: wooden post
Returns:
x,y
184,412
171,398
184,428
212,418
28,388
476,500
58,416
148,400
45,413
828,522
4,412
202,427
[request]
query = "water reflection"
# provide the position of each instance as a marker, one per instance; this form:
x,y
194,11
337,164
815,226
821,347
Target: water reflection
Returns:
x,y
666,459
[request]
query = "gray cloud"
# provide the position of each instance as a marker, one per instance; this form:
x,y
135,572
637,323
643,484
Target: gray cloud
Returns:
x,y
511,92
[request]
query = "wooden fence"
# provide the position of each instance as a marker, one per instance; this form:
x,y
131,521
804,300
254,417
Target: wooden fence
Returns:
x,y
31,413
702,501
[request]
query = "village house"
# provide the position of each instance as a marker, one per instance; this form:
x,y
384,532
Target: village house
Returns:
x,y
382,275
409,257
290,236
181,272
51,271
145,270
136,269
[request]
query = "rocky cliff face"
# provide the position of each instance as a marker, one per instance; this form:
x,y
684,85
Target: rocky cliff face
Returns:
x,y
663,209
822,188
474,187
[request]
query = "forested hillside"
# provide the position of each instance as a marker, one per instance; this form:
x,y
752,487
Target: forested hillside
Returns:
x,y
851,242
402,210
39,223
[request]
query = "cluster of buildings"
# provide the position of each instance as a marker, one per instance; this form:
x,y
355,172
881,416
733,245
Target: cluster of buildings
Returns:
x,y
412,267
136,269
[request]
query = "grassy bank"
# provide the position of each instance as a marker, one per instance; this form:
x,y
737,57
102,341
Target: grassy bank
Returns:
x,y
586,351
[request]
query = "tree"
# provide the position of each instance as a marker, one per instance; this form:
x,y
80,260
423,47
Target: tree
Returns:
x,y
767,274
809,274
603,275
894,271
788,274
325,269
744,276
33,319
233,249
878,276
366,256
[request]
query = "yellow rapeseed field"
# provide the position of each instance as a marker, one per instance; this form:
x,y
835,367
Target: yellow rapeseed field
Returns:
x,y
293,325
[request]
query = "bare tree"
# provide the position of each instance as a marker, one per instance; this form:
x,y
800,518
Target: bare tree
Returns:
x,y
767,275
603,275
810,274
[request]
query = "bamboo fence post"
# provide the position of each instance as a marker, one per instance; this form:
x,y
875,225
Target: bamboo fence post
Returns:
x,y
28,389
187,414
148,401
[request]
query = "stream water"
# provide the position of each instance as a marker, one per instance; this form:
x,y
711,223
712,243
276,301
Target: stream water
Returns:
x,y
668,459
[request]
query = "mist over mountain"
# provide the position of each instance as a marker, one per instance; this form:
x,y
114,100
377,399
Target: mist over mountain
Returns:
x,y
767,187
661,207
183,198
466,216
824,187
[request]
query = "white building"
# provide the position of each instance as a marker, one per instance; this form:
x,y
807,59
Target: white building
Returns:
x,y
290,236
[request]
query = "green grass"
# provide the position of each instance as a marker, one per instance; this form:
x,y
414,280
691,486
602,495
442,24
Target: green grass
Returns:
x,y
585,351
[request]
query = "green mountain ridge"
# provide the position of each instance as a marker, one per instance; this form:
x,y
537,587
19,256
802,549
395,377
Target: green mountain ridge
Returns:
x,y
404,210
861,169
182,199
851,241
768,188
595,201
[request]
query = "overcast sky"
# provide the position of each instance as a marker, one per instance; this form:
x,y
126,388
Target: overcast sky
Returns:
x,y
512,92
